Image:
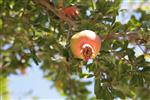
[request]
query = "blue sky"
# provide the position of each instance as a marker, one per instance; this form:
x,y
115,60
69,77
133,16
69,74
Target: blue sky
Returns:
x,y
32,84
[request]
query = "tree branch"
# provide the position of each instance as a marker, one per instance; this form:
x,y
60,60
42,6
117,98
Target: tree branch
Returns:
x,y
56,11
130,36
60,3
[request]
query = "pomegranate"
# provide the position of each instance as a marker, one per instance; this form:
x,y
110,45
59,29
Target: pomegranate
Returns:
x,y
70,11
85,44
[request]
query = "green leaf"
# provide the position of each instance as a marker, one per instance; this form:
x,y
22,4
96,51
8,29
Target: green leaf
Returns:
x,y
118,93
1,1
140,59
131,54
93,5
146,69
4,93
106,45
101,91
86,75
116,44
35,58
1,23
136,81
97,88
66,54
125,44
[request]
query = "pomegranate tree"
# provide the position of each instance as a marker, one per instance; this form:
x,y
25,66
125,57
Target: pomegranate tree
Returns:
x,y
85,44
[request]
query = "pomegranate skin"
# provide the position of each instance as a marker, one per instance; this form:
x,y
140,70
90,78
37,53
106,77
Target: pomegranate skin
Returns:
x,y
70,12
83,38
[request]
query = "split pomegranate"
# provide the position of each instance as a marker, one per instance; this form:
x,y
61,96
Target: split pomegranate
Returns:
x,y
85,44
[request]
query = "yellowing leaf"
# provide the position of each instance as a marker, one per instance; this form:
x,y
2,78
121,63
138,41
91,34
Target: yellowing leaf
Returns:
x,y
147,57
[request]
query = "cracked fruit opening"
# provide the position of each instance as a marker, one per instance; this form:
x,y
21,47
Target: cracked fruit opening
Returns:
x,y
85,44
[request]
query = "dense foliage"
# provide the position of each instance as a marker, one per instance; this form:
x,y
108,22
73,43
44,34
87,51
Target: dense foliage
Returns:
x,y
36,30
